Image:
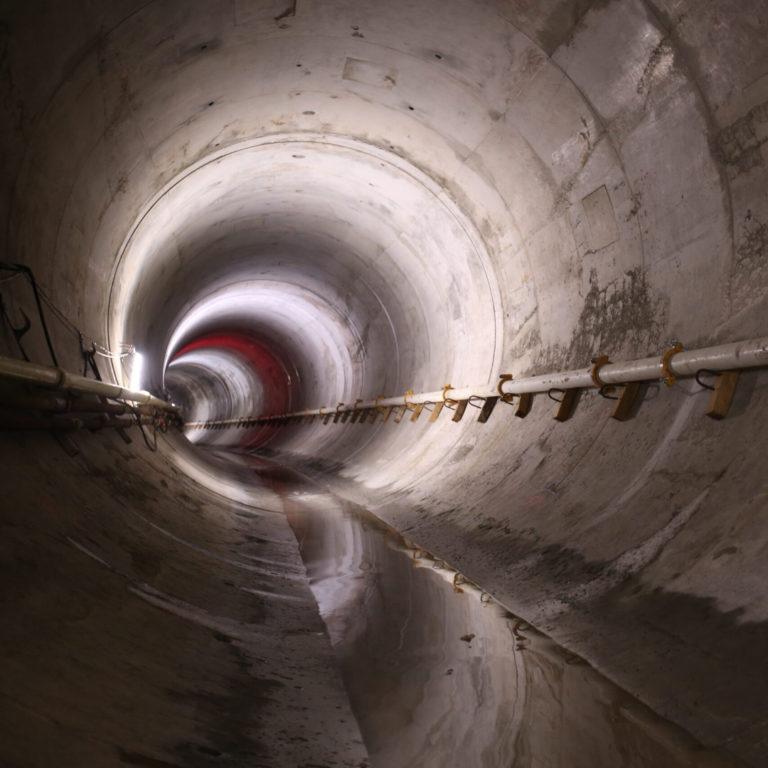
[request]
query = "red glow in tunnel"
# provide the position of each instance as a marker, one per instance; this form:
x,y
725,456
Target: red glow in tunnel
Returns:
x,y
266,366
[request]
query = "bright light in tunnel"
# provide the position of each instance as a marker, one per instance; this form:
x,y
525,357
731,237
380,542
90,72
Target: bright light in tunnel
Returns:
x,y
137,370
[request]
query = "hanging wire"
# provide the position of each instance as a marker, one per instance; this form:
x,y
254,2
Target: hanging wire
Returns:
x,y
708,373
27,272
606,390
41,297
151,445
19,332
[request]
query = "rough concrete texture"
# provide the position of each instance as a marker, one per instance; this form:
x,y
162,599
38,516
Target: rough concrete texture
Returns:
x,y
401,195
150,623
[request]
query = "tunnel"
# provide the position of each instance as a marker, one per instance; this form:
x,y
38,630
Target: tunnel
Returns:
x,y
272,214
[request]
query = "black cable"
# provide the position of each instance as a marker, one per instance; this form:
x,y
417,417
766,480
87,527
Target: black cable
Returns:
x,y
709,373
18,333
605,390
152,447
552,397
38,302
89,358
41,297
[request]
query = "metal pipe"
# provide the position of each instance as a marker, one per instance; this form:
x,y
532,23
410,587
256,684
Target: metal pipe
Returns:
x,y
49,376
56,403
64,422
751,353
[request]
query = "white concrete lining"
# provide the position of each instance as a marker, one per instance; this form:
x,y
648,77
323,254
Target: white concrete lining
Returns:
x,y
530,112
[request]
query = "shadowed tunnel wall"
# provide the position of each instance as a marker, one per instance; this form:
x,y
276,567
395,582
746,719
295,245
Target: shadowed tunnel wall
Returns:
x,y
287,205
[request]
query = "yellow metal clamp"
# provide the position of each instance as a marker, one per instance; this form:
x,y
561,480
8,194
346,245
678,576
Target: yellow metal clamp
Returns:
x,y
408,406
446,399
597,363
668,376
506,397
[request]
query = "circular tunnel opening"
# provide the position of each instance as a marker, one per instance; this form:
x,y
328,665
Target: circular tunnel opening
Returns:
x,y
301,272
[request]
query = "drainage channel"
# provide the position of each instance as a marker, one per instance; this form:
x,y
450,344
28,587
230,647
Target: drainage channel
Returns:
x,y
440,675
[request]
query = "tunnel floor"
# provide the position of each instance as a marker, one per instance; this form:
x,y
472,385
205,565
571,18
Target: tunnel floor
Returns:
x,y
182,629
440,674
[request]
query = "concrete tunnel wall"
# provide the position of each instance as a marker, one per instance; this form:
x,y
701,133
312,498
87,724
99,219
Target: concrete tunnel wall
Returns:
x,y
384,196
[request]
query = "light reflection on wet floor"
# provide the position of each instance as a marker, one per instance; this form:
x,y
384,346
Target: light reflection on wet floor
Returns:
x,y
439,675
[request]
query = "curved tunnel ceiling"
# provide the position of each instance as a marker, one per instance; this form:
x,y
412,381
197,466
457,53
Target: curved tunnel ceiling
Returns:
x,y
285,205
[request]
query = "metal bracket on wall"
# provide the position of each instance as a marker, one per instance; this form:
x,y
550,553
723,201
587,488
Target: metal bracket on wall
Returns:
x,y
667,374
461,406
524,405
630,397
436,410
417,409
487,409
567,403
722,394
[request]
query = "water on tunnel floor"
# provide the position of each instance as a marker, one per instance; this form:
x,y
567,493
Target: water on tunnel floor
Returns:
x,y
440,675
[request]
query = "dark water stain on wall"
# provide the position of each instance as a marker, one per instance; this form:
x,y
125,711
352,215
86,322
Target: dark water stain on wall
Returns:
x,y
624,317
750,263
739,146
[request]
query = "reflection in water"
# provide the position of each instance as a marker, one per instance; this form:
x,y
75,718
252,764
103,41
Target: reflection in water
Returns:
x,y
440,676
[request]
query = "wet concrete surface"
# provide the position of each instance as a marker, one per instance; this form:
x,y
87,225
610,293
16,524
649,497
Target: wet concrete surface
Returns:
x,y
439,674
149,621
